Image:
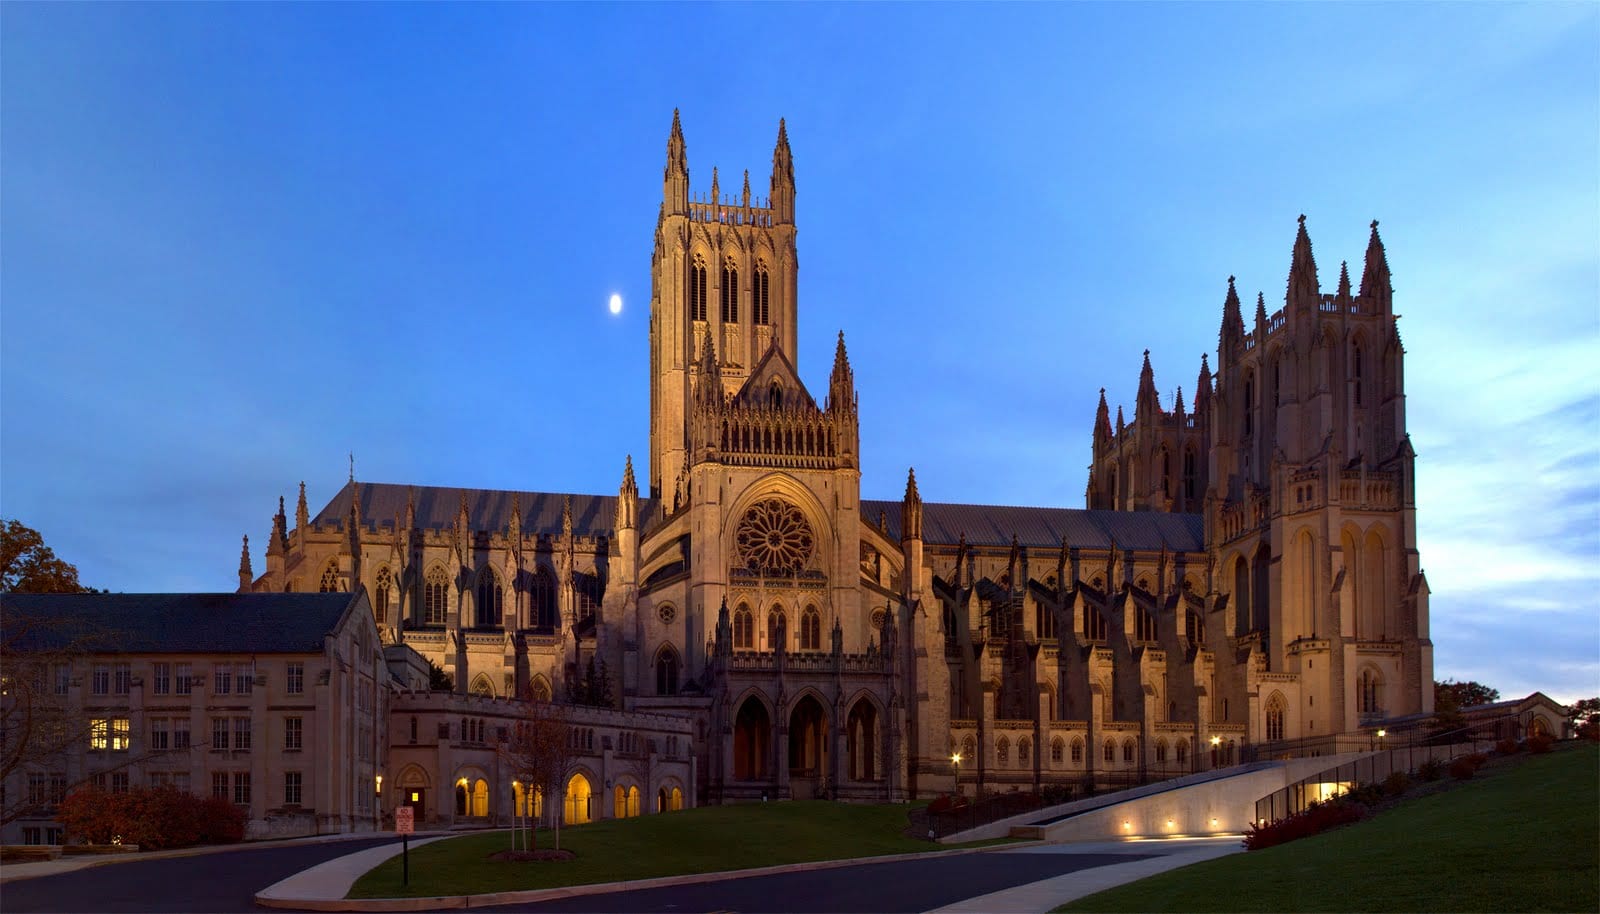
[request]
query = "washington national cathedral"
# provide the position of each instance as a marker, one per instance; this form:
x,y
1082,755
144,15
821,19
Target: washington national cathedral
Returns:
x,y
1242,581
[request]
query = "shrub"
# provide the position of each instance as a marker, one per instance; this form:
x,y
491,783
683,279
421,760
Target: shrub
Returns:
x,y
1366,794
152,818
1589,730
1396,783
1431,770
1507,747
1540,744
1464,767
1317,818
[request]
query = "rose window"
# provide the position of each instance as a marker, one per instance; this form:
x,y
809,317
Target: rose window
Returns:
x,y
774,538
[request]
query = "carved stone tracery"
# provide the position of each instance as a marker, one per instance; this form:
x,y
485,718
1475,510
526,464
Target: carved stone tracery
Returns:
x,y
774,539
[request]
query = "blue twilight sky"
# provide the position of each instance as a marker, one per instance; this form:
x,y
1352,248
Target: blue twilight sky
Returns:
x,y
243,240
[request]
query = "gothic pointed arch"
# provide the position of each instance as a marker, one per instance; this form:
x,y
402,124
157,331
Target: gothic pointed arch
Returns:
x,y
329,582
1276,710
667,666
490,600
435,595
383,591
542,599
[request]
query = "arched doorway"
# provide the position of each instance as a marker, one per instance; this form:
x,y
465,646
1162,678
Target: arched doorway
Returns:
x,y
861,730
580,801
625,802
807,747
752,730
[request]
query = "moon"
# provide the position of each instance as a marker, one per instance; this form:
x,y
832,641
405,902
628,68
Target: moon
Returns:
x,y
616,304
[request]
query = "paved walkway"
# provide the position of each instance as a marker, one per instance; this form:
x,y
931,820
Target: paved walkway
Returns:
x,y
323,887
1049,894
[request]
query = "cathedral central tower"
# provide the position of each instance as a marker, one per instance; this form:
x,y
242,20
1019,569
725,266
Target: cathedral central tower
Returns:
x,y
722,275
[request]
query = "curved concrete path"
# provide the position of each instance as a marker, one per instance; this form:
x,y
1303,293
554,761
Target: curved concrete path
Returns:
x,y
323,887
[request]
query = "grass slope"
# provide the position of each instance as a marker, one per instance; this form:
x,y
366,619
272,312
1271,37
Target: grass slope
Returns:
x,y
1522,837
703,840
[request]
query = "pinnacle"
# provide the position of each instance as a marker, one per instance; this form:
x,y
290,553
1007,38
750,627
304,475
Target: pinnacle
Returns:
x,y
911,486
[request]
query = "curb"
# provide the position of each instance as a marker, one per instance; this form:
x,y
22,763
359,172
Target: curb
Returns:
x,y
530,896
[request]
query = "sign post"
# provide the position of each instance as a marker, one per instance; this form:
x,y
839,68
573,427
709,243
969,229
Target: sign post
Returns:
x,y
405,822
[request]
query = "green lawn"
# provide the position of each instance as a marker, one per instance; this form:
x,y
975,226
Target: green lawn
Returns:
x,y
1523,836
703,840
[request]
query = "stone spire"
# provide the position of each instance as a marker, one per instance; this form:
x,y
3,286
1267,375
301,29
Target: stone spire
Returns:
x,y
278,542
566,517
1121,425
1303,287
627,499
1375,279
1231,335
744,199
675,177
1177,401
911,509
782,202
842,382
1202,390
246,576
1147,405
710,374
1343,295
1261,312
716,188
302,515
1102,424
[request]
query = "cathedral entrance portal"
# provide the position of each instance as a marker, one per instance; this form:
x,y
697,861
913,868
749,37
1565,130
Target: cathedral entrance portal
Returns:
x,y
807,748
752,731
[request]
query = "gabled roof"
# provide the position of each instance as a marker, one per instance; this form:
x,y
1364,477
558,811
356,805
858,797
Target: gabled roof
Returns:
x,y
774,364
487,509
173,623
993,525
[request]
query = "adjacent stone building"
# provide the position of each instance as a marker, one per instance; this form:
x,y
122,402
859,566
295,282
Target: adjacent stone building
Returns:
x,y
1245,573
277,702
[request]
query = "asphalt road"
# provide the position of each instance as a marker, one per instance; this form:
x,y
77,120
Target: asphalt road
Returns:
x,y
899,887
207,882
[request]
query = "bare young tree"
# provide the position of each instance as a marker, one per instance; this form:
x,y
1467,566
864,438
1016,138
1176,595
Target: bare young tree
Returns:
x,y
538,751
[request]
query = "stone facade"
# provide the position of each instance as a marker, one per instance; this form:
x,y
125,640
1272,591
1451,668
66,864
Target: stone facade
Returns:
x,y
181,690
1244,573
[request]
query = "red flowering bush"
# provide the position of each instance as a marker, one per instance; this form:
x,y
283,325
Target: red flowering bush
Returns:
x,y
1317,818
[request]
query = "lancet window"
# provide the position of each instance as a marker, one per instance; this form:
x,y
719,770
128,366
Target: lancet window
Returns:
x,y
763,314
730,294
435,595
491,599
744,628
697,289
811,630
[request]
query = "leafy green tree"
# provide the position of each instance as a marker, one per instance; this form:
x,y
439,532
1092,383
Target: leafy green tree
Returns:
x,y
438,679
27,565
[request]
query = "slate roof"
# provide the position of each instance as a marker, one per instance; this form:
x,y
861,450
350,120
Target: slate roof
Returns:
x,y
993,525
487,509
593,515
173,623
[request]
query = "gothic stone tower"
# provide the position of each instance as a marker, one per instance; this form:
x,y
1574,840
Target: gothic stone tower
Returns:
x,y
723,272
1309,505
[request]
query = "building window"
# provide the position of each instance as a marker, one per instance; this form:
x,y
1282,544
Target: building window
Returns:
x,y
38,788
122,679
291,788
1127,751
119,782
219,784
160,737
241,788
241,733
1191,476
219,733
381,589
1355,364
244,677
330,579
1275,718
1369,687
763,314
491,607
667,671
1024,752
1058,751
162,678
295,678
776,629
222,679
1110,753
543,599
1002,751
1077,751
63,678
730,294
697,290
811,630
1094,624
291,733
1147,625
180,733
744,628
434,595
1249,406
1182,751
101,679
185,679
1161,751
